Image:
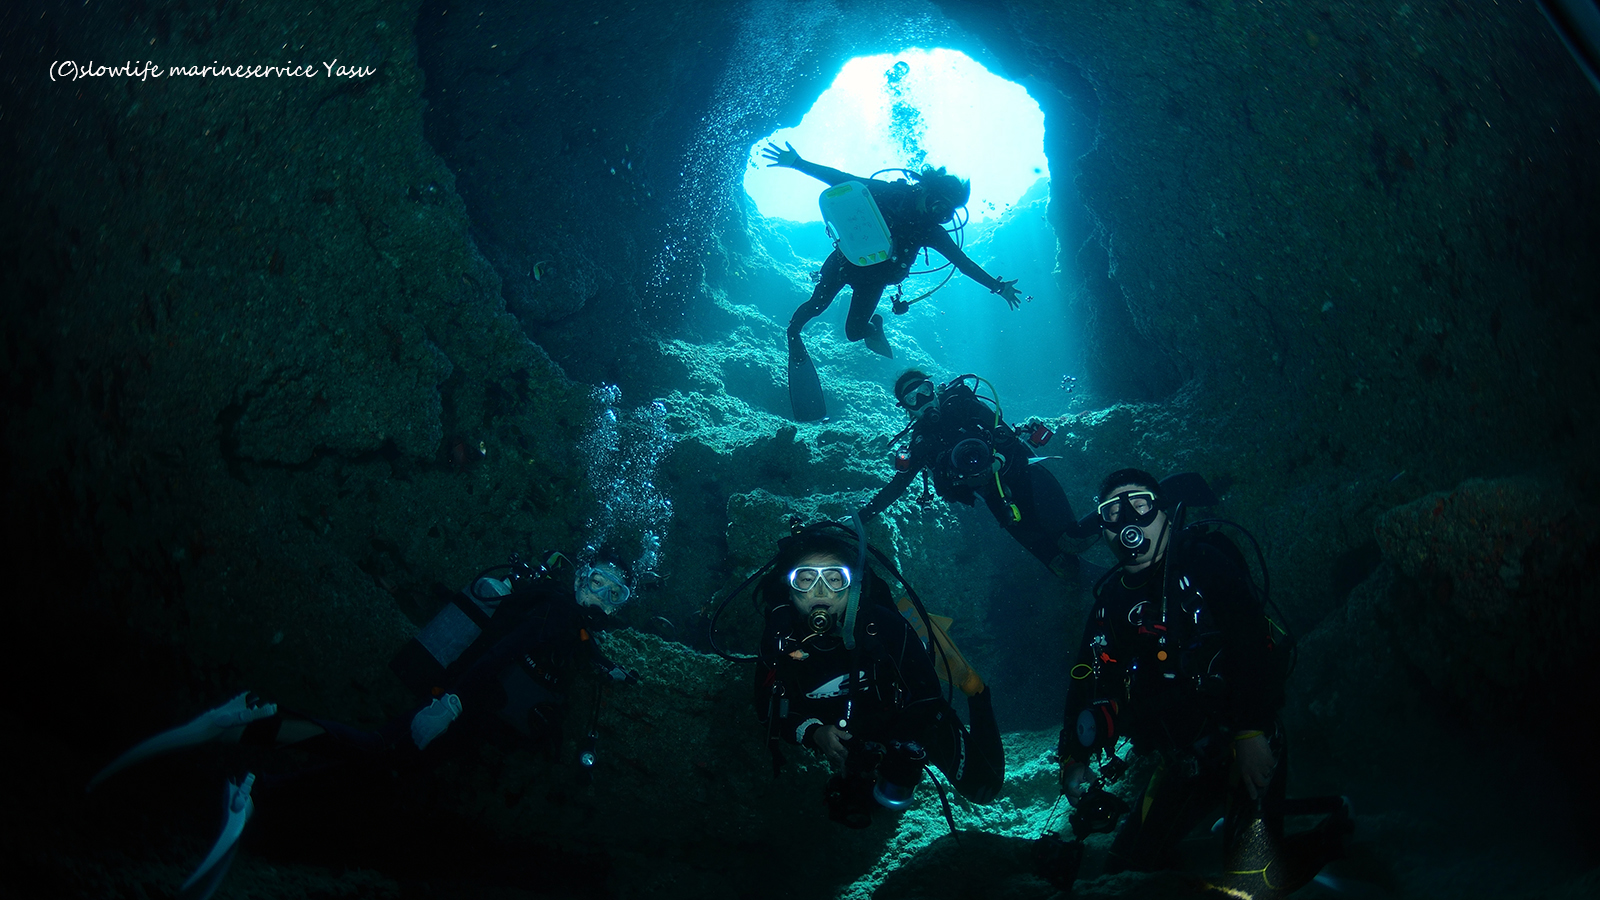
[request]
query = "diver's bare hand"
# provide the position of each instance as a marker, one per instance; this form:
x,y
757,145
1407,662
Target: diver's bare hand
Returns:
x,y
1074,778
1253,756
784,157
830,739
1008,293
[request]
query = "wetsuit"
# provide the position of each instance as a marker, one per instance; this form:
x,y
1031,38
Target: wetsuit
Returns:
x,y
1045,514
804,682
909,231
1218,681
514,675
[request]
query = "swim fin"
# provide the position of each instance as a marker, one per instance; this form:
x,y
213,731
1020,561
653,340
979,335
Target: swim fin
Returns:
x,y
208,877
948,663
208,726
805,388
876,341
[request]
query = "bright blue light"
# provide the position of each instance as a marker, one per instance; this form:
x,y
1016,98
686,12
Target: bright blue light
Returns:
x,y
940,108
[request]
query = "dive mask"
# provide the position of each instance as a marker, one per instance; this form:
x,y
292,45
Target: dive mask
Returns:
x,y
920,399
603,585
1129,508
1127,514
805,578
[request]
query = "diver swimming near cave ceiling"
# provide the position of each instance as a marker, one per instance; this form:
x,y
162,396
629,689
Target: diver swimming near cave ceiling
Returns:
x,y
879,227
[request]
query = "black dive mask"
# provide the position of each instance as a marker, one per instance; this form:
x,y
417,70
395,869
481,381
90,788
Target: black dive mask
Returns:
x,y
921,400
1121,515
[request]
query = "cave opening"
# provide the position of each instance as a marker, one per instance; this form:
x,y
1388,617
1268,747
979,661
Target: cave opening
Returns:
x,y
890,114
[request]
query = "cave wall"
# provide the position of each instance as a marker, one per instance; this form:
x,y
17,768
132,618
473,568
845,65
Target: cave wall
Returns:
x,y
1356,233
252,354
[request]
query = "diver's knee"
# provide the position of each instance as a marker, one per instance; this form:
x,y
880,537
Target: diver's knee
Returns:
x,y
798,321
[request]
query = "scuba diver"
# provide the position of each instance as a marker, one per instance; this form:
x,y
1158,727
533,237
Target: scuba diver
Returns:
x,y
828,614
497,657
879,227
1179,656
971,452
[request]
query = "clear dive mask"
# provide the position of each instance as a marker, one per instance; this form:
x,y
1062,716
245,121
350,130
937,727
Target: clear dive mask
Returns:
x,y
603,585
805,578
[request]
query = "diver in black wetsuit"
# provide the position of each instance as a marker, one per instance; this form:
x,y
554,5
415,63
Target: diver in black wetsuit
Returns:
x,y
1179,657
881,730
498,656
970,453
915,215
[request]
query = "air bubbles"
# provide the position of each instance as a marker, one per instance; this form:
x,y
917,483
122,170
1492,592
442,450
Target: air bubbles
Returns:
x,y
622,453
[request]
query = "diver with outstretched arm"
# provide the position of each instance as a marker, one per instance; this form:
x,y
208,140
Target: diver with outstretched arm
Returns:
x,y
915,215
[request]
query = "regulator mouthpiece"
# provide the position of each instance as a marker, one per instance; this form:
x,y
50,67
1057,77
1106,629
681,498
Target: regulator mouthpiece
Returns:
x,y
821,620
1132,538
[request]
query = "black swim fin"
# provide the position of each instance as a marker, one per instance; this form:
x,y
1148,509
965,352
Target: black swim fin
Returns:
x,y
876,340
805,388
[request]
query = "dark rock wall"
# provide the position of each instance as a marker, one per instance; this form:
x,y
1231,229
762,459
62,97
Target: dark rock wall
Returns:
x,y
568,127
1358,233
252,354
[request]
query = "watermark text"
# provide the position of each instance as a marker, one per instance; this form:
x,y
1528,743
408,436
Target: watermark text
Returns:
x,y
144,70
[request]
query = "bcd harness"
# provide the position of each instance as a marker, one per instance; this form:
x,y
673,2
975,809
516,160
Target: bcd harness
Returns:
x,y
969,454
1184,640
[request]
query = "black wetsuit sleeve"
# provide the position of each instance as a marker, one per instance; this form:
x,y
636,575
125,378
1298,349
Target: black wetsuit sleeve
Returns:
x,y
890,493
824,173
1254,694
938,239
549,623
924,446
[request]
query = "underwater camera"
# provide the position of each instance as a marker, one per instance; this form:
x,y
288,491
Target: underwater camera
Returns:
x,y
1056,860
899,774
849,799
1097,812
874,777
971,457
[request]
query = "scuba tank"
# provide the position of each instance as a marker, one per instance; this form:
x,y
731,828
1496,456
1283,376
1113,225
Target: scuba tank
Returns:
x,y
855,223
446,643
